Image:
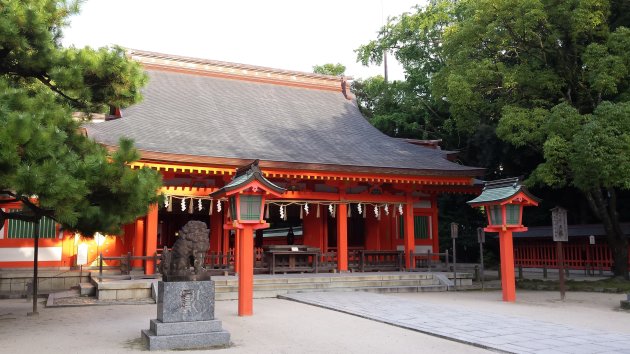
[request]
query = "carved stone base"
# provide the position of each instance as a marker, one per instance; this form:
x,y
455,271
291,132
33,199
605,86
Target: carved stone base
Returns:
x,y
185,318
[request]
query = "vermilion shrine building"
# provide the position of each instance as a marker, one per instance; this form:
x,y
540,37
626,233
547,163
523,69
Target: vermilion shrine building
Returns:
x,y
348,185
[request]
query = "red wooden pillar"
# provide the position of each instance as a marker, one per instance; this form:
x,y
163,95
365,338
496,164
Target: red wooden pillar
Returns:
x,y
507,266
409,240
138,242
237,251
342,237
245,259
434,226
151,244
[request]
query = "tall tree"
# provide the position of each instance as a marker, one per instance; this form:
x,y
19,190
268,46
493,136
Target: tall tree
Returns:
x,y
42,150
554,77
330,69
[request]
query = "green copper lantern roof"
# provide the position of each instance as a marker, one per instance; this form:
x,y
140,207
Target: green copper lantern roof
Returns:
x,y
501,190
245,175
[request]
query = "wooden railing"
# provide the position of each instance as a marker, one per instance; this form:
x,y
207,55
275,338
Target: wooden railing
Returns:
x,y
429,261
125,262
576,256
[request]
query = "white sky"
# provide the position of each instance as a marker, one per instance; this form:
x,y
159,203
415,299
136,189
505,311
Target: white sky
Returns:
x,y
293,35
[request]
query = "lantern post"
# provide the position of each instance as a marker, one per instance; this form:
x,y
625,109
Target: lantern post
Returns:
x,y
246,194
503,201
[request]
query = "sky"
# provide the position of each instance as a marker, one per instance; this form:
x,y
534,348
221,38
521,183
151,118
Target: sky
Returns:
x,y
292,35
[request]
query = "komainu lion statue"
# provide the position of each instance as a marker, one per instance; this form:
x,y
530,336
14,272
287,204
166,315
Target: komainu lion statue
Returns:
x,y
189,250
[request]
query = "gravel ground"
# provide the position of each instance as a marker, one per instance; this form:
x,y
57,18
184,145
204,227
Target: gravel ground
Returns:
x,y
280,326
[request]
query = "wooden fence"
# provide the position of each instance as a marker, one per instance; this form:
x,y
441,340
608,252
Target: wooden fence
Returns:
x,y
576,256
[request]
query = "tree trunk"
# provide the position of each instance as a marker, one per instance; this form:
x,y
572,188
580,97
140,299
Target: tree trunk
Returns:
x,y
605,208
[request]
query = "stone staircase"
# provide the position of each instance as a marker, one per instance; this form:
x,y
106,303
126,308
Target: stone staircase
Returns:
x,y
267,286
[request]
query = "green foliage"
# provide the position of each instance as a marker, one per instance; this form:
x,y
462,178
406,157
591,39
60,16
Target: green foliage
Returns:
x,y
330,69
550,78
42,150
88,79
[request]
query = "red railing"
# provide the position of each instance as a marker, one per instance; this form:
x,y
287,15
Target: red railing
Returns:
x,y
576,256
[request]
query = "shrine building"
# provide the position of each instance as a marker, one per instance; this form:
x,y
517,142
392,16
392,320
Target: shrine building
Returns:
x,y
349,187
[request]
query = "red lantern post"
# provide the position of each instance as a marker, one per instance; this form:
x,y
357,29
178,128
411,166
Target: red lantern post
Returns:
x,y
247,193
503,202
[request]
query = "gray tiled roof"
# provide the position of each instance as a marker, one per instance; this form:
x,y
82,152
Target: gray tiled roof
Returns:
x,y
215,117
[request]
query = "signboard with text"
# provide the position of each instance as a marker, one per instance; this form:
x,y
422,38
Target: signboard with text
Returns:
x,y
559,224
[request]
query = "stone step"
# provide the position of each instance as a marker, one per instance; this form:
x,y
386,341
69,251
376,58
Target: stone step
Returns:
x,y
87,289
262,294
325,279
333,285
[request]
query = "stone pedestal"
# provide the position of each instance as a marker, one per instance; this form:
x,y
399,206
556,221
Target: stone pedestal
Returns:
x,y
185,318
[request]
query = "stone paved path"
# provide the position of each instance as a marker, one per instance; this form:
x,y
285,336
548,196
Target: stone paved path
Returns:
x,y
486,330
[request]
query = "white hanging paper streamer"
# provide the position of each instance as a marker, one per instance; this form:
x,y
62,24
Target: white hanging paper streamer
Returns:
x,y
306,208
376,211
183,204
359,208
218,206
281,212
166,201
331,210
199,205
386,209
400,209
